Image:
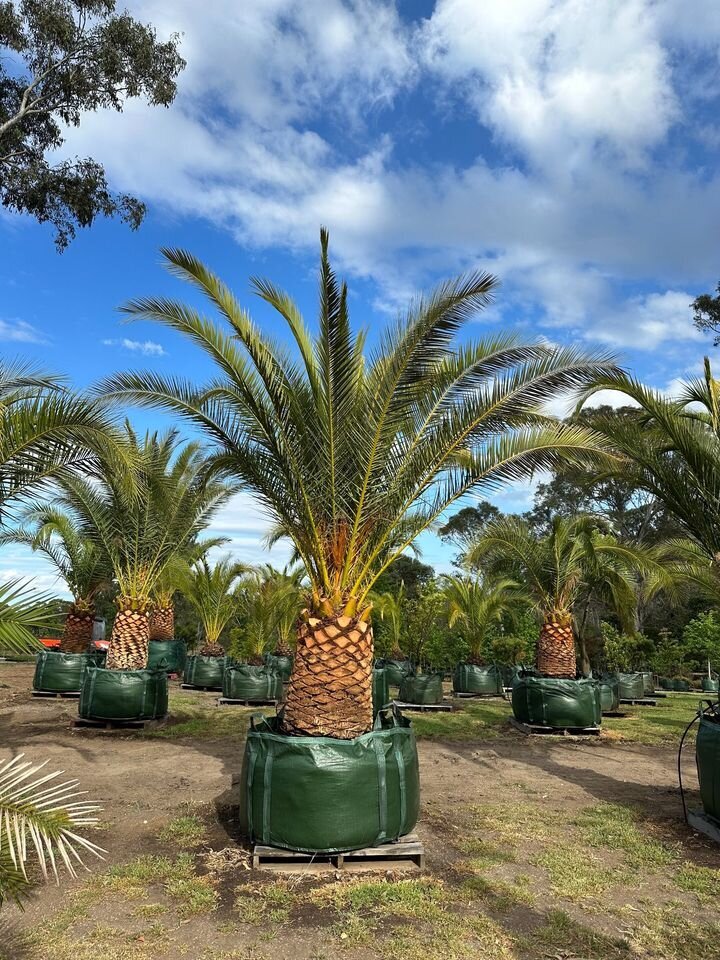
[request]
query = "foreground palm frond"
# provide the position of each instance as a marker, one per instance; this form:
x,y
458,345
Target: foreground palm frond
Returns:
x,y
40,817
22,609
353,453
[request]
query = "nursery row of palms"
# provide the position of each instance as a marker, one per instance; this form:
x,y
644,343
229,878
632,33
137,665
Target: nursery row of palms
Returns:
x,y
354,452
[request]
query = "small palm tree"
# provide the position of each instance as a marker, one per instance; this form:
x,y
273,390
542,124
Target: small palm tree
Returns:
x,y
141,523
290,603
354,454
474,606
78,562
389,607
40,817
556,569
213,594
173,578
268,604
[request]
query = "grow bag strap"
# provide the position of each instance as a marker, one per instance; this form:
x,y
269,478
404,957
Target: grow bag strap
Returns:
x,y
40,669
395,715
91,691
382,789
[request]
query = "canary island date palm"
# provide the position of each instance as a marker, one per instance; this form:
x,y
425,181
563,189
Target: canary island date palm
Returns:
x,y
354,450
213,593
389,607
290,591
142,522
556,570
269,603
77,561
475,605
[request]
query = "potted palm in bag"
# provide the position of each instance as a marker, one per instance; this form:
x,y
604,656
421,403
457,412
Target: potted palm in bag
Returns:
x,y
354,454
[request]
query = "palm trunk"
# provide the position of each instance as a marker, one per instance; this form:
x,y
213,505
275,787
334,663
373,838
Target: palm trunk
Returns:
x,y
77,633
130,635
283,649
556,647
330,691
162,623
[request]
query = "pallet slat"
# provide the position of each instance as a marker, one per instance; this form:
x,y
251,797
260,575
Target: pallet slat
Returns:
x,y
425,707
229,702
701,822
56,694
407,852
192,686
532,728
117,725
639,701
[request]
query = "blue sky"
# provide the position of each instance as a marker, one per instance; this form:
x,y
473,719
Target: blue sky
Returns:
x,y
569,146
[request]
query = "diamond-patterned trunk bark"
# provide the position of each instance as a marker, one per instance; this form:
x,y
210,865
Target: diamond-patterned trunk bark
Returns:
x,y
128,648
556,648
77,633
162,623
330,690
283,649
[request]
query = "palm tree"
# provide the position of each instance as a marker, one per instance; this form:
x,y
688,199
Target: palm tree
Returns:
x,y
213,593
78,562
389,607
290,597
475,605
141,524
559,569
268,604
173,578
42,818
23,610
355,454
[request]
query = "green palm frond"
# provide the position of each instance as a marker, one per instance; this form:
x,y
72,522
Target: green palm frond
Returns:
x,y
39,820
23,610
352,454
212,592
474,605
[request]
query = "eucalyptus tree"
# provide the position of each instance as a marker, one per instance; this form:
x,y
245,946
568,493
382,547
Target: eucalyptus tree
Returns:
x,y
77,560
354,452
142,521
558,570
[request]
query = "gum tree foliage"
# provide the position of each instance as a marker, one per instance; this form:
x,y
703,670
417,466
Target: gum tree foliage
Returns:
x,y
706,316
60,59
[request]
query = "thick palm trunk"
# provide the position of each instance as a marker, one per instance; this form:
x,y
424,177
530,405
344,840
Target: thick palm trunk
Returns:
x,y
283,649
130,635
77,633
556,647
162,623
330,691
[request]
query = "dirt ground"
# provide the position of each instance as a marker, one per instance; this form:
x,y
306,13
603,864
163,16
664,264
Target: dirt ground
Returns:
x,y
518,861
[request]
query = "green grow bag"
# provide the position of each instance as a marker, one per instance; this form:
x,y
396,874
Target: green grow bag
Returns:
x,y
707,756
631,686
709,686
547,702
648,683
246,682
609,697
205,671
57,672
666,683
682,686
283,665
123,694
168,654
323,795
425,688
380,690
396,670
471,678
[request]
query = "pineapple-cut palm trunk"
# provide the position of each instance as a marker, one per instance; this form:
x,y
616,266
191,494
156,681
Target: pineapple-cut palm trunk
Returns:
x,y
330,690
556,648
283,649
129,639
77,634
162,623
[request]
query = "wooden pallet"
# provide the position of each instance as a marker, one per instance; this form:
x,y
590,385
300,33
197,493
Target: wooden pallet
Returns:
x,y
444,707
117,725
530,729
478,696
192,686
407,853
56,694
615,714
660,695
639,701
700,821
229,702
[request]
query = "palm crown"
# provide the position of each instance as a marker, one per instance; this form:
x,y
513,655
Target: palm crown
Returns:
x,y
212,592
475,605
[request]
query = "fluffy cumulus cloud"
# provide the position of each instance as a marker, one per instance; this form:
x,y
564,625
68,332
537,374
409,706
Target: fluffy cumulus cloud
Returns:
x,y
147,348
590,185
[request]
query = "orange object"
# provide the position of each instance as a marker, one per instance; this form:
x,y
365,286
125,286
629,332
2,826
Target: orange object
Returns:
x,y
50,642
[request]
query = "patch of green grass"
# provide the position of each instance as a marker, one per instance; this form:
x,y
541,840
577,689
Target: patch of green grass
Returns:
x,y
515,823
400,898
193,894
473,721
146,870
195,720
662,724
354,931
575,874
616,827
185,831
499,894
561,936
483,853
704,882
668,932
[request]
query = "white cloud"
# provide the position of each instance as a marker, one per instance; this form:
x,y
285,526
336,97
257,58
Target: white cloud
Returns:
x,y
19,331
147,347
647,322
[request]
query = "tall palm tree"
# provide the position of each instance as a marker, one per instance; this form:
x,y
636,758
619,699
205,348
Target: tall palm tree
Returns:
x,y
475,605
355,454
557,569
141,523
78,562
213,593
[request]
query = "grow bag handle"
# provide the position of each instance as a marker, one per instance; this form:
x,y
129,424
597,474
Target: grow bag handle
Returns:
x,y
395,716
